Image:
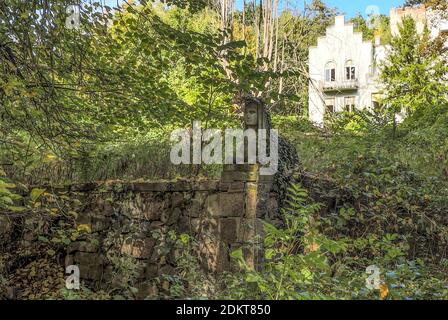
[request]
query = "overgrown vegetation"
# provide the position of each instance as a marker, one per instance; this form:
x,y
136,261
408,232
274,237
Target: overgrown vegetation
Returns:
x,y
99,103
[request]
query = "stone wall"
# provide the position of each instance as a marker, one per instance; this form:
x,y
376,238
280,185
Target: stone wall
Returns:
x,y
135,219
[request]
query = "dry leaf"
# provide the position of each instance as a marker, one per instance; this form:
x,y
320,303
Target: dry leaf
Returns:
x,y
384,291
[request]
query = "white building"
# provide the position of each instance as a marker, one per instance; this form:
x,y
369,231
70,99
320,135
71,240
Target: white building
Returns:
x,y
343,72
423,16
343,69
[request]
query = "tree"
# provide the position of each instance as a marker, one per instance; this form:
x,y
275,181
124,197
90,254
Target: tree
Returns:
x,y
65,91
414,77
376,25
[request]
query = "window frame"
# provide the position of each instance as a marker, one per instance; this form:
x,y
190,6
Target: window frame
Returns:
x,y
330,105
350,103
330,71
350,71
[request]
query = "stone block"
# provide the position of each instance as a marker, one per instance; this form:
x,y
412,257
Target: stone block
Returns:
x,y
214,255
147,206
209,227
207,185
138,248
159,226
251,200
250,231
189,225
174,216
197,204
225,205
212,207
236,187
177,199
231,204
229,229
83,246
90,265
272,208
100,223
150,186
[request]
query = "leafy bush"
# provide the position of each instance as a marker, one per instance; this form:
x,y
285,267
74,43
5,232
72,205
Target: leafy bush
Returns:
x,y
309,259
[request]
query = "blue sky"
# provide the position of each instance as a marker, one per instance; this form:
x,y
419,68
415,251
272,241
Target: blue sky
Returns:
x,y
353,7
350,7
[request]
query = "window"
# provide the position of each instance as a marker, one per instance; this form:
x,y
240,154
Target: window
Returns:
x,y
330,72
329,105
350,70
350,104
330,75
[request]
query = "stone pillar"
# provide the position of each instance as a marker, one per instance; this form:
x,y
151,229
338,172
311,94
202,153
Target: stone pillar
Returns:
x,y
249,227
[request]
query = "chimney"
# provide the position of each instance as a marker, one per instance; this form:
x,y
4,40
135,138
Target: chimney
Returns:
x,y
339,21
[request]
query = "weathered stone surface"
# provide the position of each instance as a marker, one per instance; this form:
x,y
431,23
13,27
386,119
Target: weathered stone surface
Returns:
x,y
189,225
251,230
138,248
150,186
83,246
272,208
197,204
225,205
90,265
214,255
237,187
251,200
146,206
180,186
212,205
231,204
209,227
232,186
210,185
177,199
174,216
229,229
99,223
134,220
231,176
159,226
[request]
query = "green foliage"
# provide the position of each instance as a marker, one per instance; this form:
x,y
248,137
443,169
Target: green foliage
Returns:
x,y
286,273
8,197
375,25
413,74
320,257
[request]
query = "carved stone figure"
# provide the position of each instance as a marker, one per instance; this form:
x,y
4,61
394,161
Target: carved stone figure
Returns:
x,y
256,117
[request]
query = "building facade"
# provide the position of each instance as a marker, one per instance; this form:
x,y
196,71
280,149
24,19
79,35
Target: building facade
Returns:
x,y
343,72
344,69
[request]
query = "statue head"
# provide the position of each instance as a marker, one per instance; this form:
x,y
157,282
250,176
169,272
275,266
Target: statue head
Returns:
x,y
251,114
254,114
